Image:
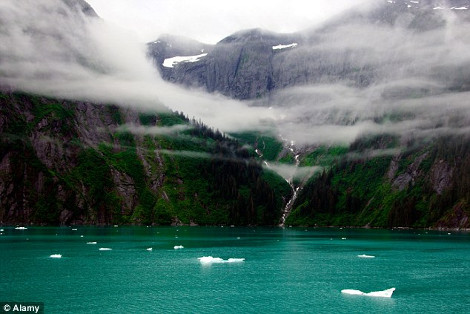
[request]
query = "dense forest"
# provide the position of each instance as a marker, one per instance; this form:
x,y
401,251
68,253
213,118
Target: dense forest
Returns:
x,y
425,185
67,162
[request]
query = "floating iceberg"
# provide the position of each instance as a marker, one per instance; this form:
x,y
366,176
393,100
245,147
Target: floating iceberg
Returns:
x,y
105,249
218,260
365,256
92,242
56,256
21,228
383,294
178,247
149,249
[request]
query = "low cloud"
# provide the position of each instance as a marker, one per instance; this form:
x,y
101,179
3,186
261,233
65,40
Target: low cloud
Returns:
x,y
291,172
154,130
370,79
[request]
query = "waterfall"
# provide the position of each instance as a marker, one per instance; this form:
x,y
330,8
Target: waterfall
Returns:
x,y
295,190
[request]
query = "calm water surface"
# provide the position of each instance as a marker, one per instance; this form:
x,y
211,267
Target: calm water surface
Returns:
x,y
285,270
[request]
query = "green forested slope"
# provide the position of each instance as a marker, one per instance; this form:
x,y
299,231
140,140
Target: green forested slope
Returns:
x,y
66,162
425,185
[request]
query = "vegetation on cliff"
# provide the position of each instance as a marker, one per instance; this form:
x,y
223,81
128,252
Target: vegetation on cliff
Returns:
x,y
426,185
66,162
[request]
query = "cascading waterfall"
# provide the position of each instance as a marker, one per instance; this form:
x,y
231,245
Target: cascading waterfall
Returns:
x,y
295,190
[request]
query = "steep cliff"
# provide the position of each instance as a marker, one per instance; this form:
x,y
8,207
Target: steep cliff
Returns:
x,y
362,47
69,162
426,185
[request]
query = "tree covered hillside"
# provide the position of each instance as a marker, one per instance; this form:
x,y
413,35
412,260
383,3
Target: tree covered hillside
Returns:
x,y
424,185
69,162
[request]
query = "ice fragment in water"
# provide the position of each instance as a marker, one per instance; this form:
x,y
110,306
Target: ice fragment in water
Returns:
x,y
383,294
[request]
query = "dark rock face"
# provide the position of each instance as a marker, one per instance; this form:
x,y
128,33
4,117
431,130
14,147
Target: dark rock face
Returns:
x,y
49,159
239,66
81,5
246,65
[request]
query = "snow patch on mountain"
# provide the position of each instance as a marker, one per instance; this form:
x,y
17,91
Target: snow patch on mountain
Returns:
x,y
279,47
171,62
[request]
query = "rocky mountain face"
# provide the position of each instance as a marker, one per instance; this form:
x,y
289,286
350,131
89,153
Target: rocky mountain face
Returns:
x,y
397,53
75,162
251,64
68,162
426,186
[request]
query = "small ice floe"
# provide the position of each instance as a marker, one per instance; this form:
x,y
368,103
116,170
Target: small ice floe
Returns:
x,y
56,256
365,256
343,238
92,242
149,249
218,260
81,236
74,229
105,249
21,228
178,247
381,294
1,230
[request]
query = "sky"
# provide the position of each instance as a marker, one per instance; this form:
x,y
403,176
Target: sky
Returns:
x,y
209,21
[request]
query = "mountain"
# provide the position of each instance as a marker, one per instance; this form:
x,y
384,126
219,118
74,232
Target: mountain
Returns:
x,y
369,125
253,63
388,68
426,185
72,162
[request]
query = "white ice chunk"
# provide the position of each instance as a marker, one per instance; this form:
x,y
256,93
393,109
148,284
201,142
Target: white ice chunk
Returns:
x,y
56,256
149,249
366,256
382,294
92,242
459,8
105,249
278,47
178,247
171,62
21,228
218,260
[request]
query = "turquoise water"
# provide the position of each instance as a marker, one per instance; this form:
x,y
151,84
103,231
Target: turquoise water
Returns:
x,y
284,271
